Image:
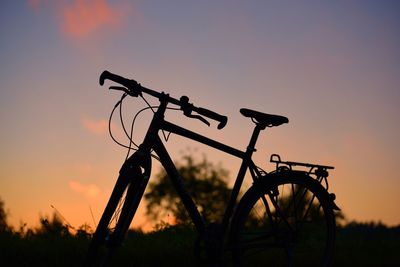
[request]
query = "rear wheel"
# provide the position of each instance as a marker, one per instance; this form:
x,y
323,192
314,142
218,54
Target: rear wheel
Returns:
x,y
284,220
116,218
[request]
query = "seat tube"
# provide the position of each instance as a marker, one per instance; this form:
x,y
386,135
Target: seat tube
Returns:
x,y
241,174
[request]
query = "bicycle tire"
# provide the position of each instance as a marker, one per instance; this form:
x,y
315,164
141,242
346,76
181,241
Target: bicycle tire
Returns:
x,y
293,229
121,207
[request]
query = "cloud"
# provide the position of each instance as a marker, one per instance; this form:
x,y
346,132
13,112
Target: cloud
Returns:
x,y
84,17
79,19
97,127
89,190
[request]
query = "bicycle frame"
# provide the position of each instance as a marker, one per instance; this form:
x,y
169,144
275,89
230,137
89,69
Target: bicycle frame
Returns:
x,y
152,141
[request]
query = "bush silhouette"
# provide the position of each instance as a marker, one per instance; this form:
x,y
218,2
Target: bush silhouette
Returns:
x,y
53,226
205,182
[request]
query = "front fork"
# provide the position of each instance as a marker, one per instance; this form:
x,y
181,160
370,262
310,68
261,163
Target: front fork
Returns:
x,y
134,174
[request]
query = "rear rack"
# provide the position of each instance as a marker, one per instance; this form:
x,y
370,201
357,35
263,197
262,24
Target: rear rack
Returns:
x,y
320,171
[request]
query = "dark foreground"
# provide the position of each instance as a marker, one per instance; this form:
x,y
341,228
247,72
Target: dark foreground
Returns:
x,y
357,245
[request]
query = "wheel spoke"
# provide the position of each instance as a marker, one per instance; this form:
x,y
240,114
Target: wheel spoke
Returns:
x,y
280,224
280,213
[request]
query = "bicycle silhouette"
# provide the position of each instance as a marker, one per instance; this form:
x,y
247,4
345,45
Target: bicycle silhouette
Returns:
x,y
285,218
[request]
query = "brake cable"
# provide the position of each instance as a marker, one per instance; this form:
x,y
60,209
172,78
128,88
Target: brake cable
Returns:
x,y
130,135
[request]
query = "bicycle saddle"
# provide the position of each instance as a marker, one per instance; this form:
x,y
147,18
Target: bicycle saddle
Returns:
x,y
263,119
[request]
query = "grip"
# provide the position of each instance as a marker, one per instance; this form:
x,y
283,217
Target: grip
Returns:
x,y
133,88
104,75
215,116
131,84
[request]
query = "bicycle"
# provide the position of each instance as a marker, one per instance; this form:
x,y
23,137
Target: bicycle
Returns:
x,y
285,217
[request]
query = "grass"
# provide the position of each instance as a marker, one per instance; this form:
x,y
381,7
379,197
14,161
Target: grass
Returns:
x,y
172,246
367,245
44,249
357,245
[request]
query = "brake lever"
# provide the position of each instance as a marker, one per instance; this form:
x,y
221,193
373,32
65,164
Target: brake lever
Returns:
x,y
198,117
187,110
124,89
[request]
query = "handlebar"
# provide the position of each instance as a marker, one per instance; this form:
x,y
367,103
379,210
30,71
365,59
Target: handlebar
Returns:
x,y
133,88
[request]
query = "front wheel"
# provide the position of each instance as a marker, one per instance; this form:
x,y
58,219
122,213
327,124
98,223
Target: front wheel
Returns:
x,y
284,220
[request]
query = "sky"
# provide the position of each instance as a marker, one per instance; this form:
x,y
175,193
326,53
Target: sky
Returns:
x,y
331,67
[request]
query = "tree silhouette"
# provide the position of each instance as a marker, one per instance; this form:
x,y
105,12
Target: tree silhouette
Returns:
x,y
3,218
205,182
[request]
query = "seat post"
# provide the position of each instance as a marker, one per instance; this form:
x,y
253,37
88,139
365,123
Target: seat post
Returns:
x,y
253,140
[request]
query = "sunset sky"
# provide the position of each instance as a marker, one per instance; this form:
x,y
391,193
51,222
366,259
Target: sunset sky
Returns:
x,y
331,67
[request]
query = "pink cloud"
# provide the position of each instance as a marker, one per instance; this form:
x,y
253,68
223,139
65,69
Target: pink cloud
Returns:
x,y
78,19
84,17
97,127
89,190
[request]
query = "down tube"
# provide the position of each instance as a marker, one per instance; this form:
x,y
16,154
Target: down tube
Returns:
x,y
177,181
